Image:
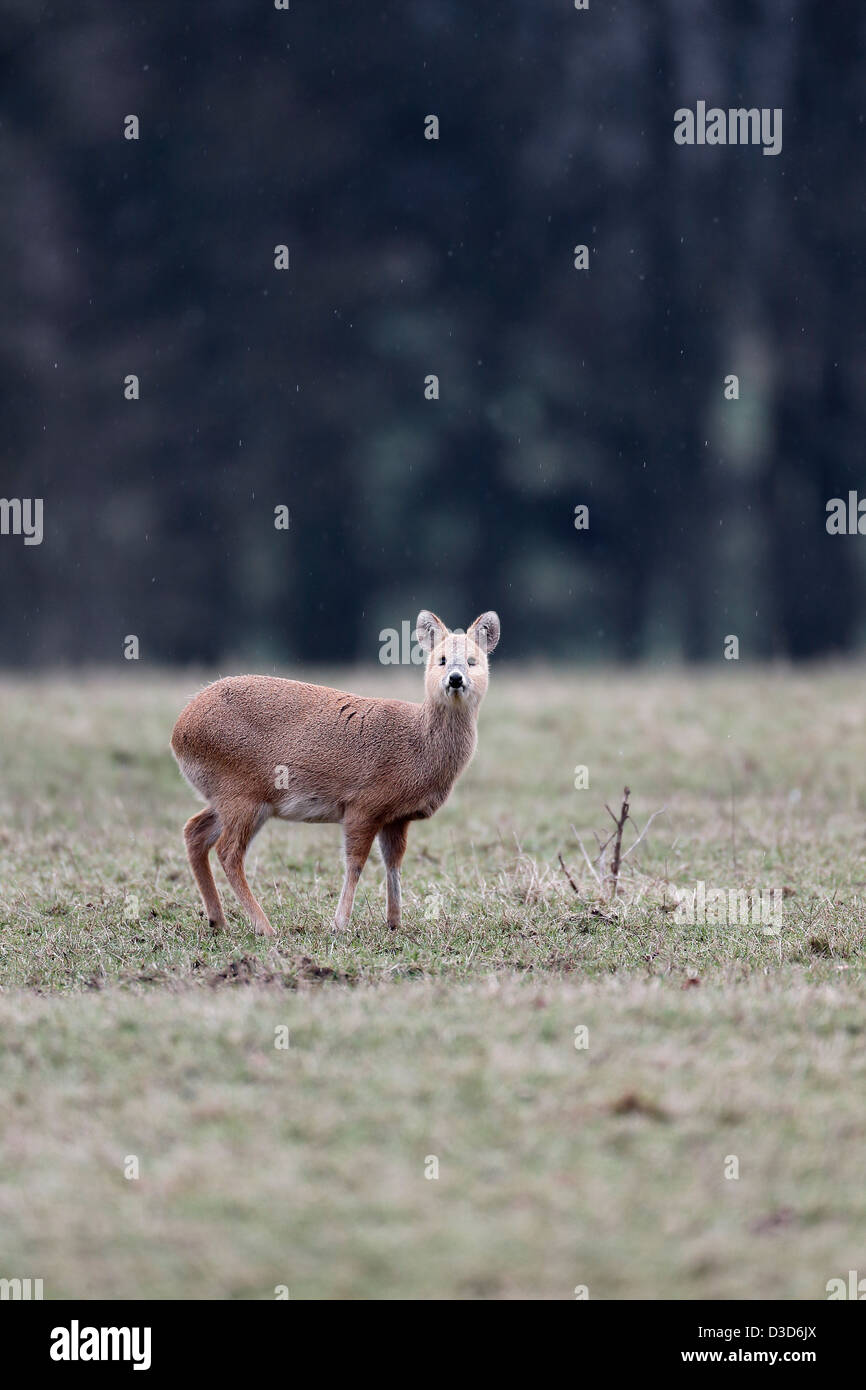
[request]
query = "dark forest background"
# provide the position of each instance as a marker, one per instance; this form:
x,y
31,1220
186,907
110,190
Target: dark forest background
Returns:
x,y
409,256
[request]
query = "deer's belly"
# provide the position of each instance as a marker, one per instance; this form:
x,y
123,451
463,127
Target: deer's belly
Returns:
x,y
315,810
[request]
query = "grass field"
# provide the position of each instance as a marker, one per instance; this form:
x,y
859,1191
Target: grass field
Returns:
x,y
129,1031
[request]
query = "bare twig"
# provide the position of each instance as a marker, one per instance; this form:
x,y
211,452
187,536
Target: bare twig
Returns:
x,y
659,812
568,876
606,866
589,862
617,847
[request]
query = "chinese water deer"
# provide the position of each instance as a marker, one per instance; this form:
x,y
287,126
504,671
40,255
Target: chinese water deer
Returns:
x,y
257,746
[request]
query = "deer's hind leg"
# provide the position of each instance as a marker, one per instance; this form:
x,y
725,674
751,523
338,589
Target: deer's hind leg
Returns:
x,y
200,834
358,837
241,823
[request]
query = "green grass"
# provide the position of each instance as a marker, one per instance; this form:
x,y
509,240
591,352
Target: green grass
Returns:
x,y
128,1028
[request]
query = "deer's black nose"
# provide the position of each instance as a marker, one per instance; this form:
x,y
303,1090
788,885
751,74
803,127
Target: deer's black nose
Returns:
x,y
455,680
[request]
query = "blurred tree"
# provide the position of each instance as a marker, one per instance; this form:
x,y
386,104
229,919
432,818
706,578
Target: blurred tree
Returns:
x,y
410,256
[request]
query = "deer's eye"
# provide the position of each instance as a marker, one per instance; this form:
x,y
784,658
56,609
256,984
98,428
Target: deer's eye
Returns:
x,y
472,661
442,660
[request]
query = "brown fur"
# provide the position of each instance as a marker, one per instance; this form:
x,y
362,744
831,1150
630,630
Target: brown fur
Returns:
x,y
371,765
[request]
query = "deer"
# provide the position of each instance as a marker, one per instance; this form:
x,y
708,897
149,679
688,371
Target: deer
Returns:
x,y
257,747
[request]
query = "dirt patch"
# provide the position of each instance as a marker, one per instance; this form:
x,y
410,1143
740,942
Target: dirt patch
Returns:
x,y
633,1104
250,970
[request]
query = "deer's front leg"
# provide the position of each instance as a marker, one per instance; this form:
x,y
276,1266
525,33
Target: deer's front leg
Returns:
x,y
392,842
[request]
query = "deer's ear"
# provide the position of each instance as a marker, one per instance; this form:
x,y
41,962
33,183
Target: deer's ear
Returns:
x,y
430,630
485,631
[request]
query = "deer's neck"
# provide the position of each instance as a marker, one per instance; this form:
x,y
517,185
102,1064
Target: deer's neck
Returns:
x,y
450,733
